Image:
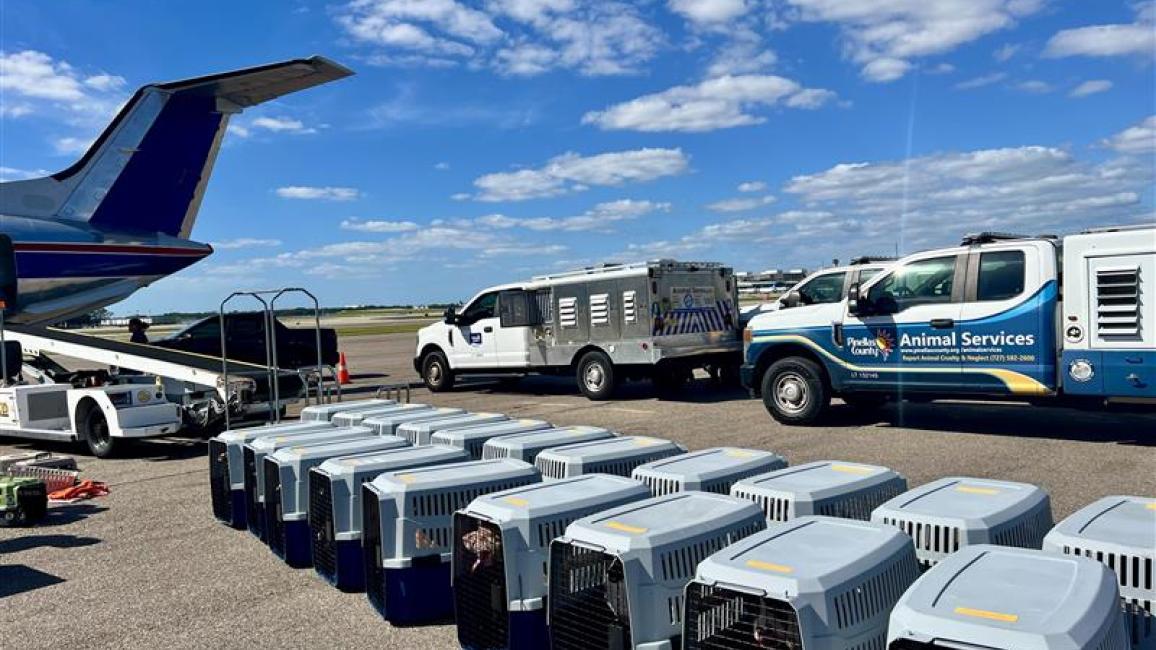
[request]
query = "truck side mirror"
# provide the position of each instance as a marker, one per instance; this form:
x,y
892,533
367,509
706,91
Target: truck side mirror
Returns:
x,y
856,303
792,299
450,316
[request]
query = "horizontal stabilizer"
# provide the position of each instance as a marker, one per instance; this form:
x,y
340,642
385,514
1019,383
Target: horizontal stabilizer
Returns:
x,y
252,86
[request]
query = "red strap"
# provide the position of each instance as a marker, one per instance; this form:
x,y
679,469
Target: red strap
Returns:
x,y
86,489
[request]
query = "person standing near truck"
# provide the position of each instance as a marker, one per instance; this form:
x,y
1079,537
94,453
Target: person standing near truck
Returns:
x,y
136,328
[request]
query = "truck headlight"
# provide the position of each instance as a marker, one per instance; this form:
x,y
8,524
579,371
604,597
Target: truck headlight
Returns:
x,y
1081,370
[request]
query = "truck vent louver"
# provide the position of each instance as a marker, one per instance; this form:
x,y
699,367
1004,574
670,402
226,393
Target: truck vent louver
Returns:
x,y
600,309
1118,301
721,619
629,307
219,485
567,312
589,609
321,523
480,584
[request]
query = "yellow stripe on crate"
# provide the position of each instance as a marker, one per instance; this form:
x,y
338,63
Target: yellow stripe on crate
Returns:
x,y
1152,506
851,469
769,566
516,501
971,489
626,528
989,615
406,478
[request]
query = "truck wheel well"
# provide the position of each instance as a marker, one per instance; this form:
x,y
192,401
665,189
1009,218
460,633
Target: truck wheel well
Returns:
x,y
582,352
429,349
776,352
83,408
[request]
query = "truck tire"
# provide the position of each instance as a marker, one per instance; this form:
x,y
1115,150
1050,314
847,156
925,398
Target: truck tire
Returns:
x,y
596,375
436,373
794,391
94,428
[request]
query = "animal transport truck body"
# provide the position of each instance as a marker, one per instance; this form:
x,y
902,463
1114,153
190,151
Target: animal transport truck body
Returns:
x,y
658,320
1000,316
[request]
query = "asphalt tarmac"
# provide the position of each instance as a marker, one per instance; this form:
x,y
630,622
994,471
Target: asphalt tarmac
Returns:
x,y
148,566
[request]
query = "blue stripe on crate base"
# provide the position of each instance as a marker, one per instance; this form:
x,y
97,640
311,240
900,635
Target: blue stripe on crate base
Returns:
x,y
418,595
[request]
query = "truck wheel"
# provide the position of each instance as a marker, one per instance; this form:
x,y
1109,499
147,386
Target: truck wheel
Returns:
x,y
794,391
596,375
865,401
436,373
96,434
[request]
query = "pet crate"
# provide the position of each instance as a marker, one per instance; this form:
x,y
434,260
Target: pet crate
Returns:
x,y
407,518
617,577
287,491
829,488
325,412
501,550
253,455
1000,598
418,433
387,424
472,439
944,516
335,506
227,466
707,470
526,446
812,582
1119,531
355,417
618,456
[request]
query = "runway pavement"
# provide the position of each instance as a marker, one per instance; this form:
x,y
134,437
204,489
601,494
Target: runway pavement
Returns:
x,y
148,566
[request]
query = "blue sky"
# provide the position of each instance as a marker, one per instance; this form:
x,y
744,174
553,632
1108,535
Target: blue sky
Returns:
x,y
480,142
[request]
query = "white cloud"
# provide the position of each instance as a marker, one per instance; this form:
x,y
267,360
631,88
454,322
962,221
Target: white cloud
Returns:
x,y
378,225
752,186
741,204
442,166
14,174
515,37
598,218
1129,39
719,103
239,130
981,81
281,124
709,12
246,242
884,37
318,193
1091,87
1029,189
573,172
1135,140
37,77
1034,86
1006,52
71,145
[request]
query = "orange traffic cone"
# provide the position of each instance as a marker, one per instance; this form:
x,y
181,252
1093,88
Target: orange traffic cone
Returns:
x,y
342,371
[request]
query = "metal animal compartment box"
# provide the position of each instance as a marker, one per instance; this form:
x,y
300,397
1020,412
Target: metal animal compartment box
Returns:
x,y
617,577
356,416
812,582
325,412
387,424
706,470
408,533
828,487
473,439
501,549
526,446
999,598
287,491
226,466
1119,531
335,506
617,456
946,515
254,452
419,433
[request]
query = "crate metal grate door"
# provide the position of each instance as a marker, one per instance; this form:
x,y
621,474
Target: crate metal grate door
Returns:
x,y
321,523
723,619
480,584
371,547
274,525
252,506
220,486
589,605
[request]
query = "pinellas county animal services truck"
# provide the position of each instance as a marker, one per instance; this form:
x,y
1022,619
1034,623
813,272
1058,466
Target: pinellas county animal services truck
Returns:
x,y
657,320
1069,320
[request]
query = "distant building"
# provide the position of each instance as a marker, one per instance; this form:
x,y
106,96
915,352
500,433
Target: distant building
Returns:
x,y
770,281
122,321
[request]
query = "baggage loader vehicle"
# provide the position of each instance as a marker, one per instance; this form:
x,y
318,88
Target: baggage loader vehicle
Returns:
x,y
658,320
1048,320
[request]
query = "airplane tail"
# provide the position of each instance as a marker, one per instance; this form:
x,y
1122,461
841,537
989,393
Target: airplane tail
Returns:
x,y
148,170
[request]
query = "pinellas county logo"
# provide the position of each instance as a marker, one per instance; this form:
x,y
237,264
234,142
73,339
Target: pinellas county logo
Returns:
x,y
879,344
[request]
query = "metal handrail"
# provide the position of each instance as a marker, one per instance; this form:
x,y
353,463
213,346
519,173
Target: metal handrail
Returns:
x,y
269,371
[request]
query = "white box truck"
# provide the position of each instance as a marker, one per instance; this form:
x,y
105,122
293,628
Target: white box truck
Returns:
x,y
1000,316
658,320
